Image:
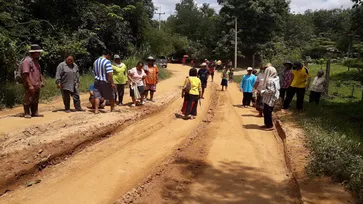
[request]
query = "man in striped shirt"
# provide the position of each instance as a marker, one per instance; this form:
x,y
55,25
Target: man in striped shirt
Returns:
x,y
104,85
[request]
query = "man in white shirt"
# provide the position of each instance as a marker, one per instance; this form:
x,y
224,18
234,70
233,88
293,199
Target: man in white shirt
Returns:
x,y
317,87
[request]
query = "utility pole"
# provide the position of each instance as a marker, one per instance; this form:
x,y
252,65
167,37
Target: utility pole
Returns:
x,y
235,42
159,13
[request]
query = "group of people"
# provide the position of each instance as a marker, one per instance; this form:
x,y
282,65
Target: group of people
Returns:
x,y
110,80
266,88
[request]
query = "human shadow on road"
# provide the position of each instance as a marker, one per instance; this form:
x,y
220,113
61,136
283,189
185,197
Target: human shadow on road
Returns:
x,y
252,127
231,183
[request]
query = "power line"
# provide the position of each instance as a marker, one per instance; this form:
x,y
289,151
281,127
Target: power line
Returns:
x,y
160,13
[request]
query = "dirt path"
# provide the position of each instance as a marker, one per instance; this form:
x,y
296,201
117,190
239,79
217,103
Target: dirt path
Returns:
x,y
103,172
234,162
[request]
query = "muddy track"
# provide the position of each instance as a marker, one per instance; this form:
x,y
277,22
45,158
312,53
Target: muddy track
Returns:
x,y
18,163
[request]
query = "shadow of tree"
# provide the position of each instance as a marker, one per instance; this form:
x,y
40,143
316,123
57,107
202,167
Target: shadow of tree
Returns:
x,y
230,183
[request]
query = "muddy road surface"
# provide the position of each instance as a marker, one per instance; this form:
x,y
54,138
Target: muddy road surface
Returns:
x,y
148,156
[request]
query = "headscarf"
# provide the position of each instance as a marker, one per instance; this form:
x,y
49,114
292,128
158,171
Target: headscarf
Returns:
x,y
270,73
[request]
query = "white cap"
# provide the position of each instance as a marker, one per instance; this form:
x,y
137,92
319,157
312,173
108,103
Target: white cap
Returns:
x,y
249,69
150,58
116,57
203,64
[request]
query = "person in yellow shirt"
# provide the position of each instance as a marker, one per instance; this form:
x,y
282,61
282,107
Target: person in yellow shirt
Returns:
x,y
192,92
120,78
299,84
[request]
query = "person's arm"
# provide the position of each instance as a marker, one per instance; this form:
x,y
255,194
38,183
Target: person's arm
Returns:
x,y
186,81
26,71
200,89
78,78
157,74
58,76
241,85
308,80
109,72
270,89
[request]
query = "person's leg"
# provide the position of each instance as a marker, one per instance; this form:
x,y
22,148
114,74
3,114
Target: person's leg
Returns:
x,y
289,96
244,100
142,94
249,98
194,106
300,95
317,99
77,100
189,106
118,94
121,94
35,104
97,105
212,77
267,112
132,95
152,94
282,94
27,102
311,97
66,99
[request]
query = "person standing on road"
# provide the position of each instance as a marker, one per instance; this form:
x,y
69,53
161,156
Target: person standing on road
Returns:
x,y
104,84
32,81
120,78
258,87
203,75
225,75
67,79
193,86
212,68
300,82
136,77
285,79
247,83
152,78
270,93
317,88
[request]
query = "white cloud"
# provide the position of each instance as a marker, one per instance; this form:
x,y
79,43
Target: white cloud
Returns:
x,y
298,6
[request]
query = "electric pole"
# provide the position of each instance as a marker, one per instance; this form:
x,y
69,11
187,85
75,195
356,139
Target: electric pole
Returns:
x,y
159,13
235,42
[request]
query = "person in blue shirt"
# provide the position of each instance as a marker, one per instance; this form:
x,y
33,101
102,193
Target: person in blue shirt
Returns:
x,y
247,84
92,98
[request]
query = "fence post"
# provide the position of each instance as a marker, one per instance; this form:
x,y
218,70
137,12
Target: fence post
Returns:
x,y
327,77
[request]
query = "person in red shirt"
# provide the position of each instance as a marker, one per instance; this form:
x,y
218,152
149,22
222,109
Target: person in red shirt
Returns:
x,y
152,78
33,81
212,68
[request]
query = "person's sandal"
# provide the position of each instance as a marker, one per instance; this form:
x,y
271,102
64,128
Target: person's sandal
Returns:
x,y
27,116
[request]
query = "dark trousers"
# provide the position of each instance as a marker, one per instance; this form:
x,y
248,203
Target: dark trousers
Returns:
x,y
31,101
283,93
66,95
247,97
300,94
192,105
267,114
314,97
120,90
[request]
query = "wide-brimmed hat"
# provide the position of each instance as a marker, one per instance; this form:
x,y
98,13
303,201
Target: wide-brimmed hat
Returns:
x,y
150,58
203,64
288,63
249,69
35,48
116,57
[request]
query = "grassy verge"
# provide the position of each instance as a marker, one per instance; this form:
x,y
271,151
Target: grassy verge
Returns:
x,y
334,131
11,94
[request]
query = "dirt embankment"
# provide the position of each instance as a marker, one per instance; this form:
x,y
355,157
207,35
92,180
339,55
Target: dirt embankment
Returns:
x,y
312,189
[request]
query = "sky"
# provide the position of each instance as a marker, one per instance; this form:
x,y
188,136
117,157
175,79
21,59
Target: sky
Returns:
x,y
297,6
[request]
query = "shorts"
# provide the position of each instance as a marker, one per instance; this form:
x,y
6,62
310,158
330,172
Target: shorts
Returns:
x,y
224,82
212,73
140,88
204,84
150,87
104,90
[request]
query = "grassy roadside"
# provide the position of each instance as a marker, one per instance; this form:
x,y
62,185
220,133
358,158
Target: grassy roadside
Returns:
x,y
11,94
334,129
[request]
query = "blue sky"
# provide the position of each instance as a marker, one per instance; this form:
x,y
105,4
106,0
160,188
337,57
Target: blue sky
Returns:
x,y
298,6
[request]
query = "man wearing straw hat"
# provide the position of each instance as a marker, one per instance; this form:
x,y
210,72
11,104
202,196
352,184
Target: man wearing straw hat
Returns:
x,y
33,81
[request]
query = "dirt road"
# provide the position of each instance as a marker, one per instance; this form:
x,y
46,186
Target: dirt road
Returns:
x,y
221,157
